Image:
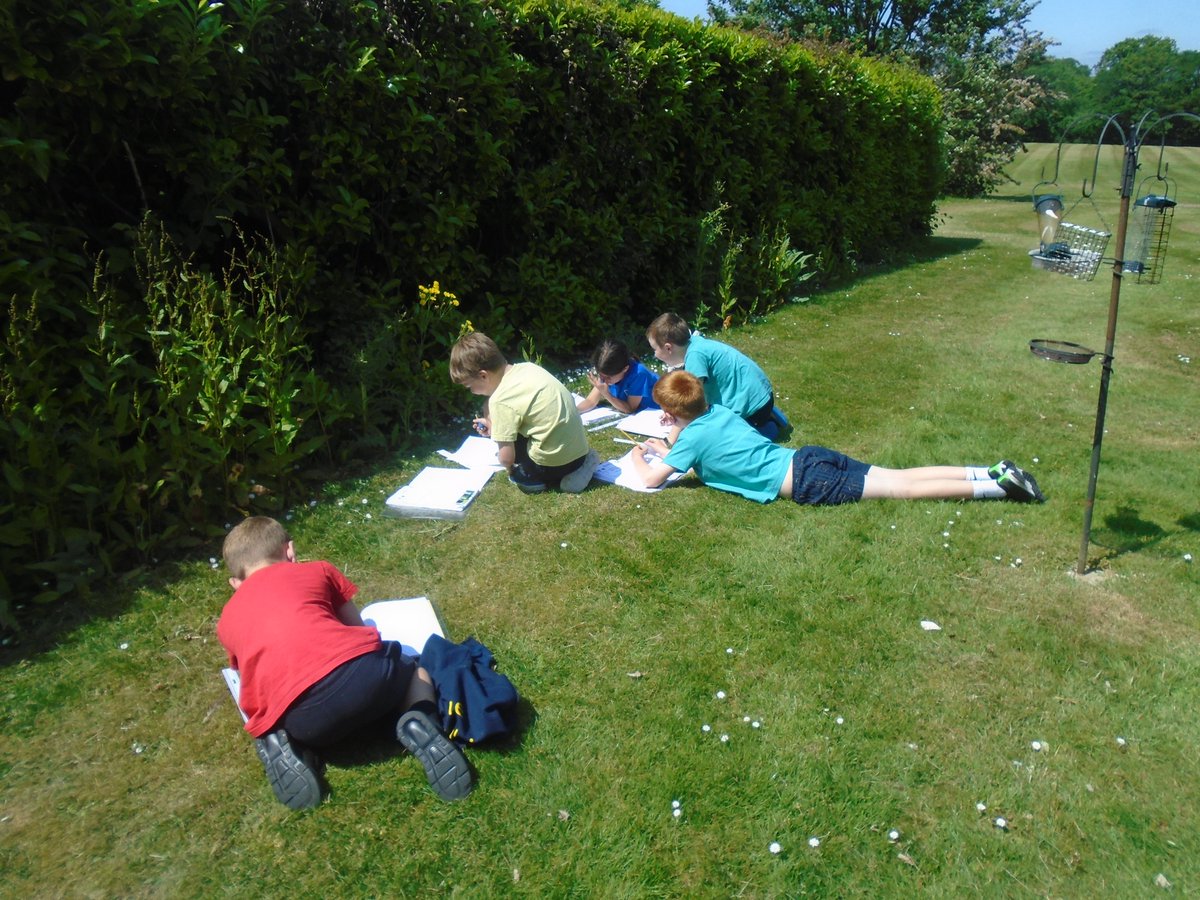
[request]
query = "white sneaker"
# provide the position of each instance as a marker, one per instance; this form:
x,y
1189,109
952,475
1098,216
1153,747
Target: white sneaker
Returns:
x,y
579,479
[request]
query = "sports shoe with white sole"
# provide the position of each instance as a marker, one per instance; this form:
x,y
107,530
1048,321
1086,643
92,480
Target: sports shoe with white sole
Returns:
x,y
447,769
293,771
574,482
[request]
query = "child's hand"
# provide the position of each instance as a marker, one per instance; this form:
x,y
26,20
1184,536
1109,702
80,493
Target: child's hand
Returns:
x,y
666,420
598,384
483,427
655,446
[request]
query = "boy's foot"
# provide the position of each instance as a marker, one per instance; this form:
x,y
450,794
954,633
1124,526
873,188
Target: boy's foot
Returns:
x,y
525,482
293,771
447,769
1019,485
576,481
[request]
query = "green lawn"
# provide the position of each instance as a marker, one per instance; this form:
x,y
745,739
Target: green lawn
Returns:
x,y
620,616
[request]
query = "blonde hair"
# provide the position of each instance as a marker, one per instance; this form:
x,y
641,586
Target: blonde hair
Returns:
x,y
681,394
473,353
669,328
255,540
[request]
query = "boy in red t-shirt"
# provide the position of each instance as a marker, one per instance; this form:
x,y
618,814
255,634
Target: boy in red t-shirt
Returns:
x,y
311,672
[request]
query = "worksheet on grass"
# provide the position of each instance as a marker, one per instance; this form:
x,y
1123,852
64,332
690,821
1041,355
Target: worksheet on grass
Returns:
x,y
438,493
645,422
596,414
475,453
622,473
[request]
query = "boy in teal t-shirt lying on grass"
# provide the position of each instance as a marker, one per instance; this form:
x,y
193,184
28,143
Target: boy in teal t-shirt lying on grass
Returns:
x,y
727,453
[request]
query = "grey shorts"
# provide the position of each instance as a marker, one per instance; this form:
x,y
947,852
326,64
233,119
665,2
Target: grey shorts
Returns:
x,y
824,477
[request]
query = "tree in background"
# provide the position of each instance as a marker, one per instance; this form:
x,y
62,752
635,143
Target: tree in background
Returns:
x,y
1134,77
1149,74
1067,85
977,51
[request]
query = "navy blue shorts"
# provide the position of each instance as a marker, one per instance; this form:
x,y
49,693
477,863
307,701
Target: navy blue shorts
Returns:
x,y
364,690
824,477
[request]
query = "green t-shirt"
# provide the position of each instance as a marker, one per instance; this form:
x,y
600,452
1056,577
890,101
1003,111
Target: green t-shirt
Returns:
x,y
529,402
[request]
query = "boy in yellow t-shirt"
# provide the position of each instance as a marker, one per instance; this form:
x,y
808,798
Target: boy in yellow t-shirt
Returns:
x,y
532,418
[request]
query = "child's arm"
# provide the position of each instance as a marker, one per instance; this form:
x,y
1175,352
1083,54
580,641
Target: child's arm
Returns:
x,y
591,401
348,614
628,406
653,474
506,452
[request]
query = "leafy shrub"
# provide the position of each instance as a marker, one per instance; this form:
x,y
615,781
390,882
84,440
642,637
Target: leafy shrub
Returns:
x,y
557,163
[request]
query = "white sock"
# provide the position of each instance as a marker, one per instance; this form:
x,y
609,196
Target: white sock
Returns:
x,y
978,473
987,489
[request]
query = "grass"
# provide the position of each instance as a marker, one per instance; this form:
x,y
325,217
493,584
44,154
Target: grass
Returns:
x,y
124,771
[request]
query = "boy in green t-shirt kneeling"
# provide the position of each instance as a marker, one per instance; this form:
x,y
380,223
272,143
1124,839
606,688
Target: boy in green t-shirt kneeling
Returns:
x,y
530,415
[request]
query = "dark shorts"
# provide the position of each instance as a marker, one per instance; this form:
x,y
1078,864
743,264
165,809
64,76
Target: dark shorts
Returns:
x,y
527,471
761,417
824,477
364,690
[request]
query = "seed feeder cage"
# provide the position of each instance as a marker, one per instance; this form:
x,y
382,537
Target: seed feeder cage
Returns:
x,y
1074,250
1062,246
1149,231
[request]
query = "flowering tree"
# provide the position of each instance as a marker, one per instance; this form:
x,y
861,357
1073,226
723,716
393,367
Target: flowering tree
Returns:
x,y
977,51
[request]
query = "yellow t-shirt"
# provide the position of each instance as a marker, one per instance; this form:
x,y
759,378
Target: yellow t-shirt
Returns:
x,y
529,402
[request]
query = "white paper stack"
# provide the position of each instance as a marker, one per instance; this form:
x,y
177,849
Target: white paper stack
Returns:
x,y
438,493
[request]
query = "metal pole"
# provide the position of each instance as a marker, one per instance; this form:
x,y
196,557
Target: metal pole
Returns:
x,y
1128,175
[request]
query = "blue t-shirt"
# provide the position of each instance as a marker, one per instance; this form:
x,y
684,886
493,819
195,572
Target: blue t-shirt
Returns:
x,y
729,454
638,382
731,378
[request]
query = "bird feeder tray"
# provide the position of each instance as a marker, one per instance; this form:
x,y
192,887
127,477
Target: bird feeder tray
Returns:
x,y
1062,351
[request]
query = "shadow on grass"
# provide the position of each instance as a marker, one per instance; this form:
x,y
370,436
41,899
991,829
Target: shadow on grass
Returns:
x,y
1125,531
929,250
377,743
42,627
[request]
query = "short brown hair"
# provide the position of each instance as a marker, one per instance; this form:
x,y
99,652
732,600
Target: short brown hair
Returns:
x,y
473,353
669,328
681,393
252,541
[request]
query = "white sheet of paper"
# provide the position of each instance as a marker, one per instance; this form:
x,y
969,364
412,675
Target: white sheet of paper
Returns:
x,y
621,472
434,489
645,422
475,453
409,621
596,414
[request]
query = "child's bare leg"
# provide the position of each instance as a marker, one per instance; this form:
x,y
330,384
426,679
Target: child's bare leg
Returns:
x,y
921,483
420,687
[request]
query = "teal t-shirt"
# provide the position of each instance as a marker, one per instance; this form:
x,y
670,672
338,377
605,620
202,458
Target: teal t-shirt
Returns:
x,y
729,454
731,378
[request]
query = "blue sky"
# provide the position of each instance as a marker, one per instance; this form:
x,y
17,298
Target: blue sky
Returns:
x,y
1083,29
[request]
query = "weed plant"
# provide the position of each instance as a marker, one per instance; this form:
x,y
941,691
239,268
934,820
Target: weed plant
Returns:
x,y
620,616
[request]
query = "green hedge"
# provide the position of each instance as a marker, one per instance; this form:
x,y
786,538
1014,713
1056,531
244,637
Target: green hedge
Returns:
x,y
218,222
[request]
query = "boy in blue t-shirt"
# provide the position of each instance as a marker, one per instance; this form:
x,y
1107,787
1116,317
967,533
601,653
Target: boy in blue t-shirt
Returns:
x,y
731,379
727,454
619,378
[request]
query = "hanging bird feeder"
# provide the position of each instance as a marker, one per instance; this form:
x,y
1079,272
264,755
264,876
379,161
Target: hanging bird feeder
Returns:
x,y
1072,250
1064,247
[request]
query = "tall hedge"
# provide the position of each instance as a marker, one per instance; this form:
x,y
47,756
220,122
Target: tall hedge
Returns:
x,y
235,235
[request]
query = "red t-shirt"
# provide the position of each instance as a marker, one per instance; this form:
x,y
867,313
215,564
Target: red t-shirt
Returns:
x,y
282,633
